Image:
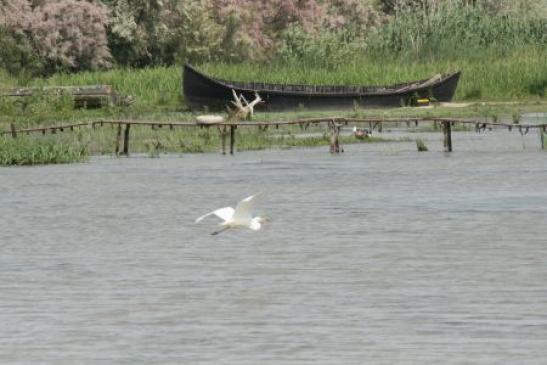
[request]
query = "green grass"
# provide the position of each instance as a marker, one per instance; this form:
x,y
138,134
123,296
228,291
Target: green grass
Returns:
x,y
519,76
154,142
25,150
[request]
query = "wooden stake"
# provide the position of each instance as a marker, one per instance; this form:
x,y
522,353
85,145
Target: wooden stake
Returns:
x,y
13,130
447,129
126,140
223,138
118,139
334,141
232,139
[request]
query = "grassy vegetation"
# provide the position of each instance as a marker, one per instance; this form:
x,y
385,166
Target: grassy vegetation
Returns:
x,y
502,59
522,74
25,150
421,146
517,76
154,142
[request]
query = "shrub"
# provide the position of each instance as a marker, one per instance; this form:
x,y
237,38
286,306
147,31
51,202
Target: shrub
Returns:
x,y
16,54
62,34
71,34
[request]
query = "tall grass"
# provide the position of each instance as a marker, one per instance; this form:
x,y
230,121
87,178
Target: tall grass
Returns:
x,y
522,74
452,29
25,150
157,87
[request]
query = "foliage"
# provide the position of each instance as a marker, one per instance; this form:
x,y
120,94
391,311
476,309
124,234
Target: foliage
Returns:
x,y
16,54
71,34
328,50
137,31
64,34
196,36
450,28
33,151
420,145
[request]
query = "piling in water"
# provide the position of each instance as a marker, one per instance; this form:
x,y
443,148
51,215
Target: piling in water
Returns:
x,y
447,129
118,140
126,140
232,139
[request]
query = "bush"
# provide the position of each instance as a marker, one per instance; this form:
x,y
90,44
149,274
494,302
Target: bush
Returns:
x,y
55,35
71,34
16,54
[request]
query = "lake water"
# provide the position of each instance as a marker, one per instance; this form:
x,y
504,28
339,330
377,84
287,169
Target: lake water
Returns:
x,y
379,255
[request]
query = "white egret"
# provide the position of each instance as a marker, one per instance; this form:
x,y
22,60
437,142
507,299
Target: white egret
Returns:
x,y
240,217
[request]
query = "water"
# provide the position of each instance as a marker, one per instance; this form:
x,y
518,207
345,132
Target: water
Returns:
x,y
379,255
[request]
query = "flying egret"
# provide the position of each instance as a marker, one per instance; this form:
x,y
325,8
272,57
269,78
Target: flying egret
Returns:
x,y
240,217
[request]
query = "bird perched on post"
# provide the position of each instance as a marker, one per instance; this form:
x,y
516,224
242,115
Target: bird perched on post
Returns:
x,y
240,217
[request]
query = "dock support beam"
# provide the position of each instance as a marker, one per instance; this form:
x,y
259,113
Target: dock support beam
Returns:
x,y
232,138
447,129
126,140
223,138
334,134
118,139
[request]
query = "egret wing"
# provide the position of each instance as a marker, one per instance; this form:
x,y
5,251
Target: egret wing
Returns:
x,y
244,209
223,213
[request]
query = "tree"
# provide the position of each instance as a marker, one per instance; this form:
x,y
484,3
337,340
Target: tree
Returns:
x,y
61,34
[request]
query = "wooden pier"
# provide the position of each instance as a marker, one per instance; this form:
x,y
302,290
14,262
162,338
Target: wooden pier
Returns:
x,y
334,124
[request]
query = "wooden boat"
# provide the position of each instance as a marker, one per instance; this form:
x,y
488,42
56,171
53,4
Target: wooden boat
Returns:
x,y
203,92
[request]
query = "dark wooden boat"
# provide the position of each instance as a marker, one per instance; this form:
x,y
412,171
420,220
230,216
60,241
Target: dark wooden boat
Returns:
x,y
203,92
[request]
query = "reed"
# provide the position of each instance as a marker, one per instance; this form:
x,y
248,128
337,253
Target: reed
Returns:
x,y
145,140
518,76
421,146
25,150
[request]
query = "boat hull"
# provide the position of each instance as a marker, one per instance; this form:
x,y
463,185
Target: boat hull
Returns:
x,y
202,92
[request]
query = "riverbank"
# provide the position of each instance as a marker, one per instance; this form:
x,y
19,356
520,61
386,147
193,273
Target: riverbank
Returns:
x,y
499,89
77,145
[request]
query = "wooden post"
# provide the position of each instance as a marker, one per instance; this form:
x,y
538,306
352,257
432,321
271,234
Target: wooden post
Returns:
x,y
126,140
223,138
543,137
13,130
118,139
334,142
232,138
447,129
332,138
